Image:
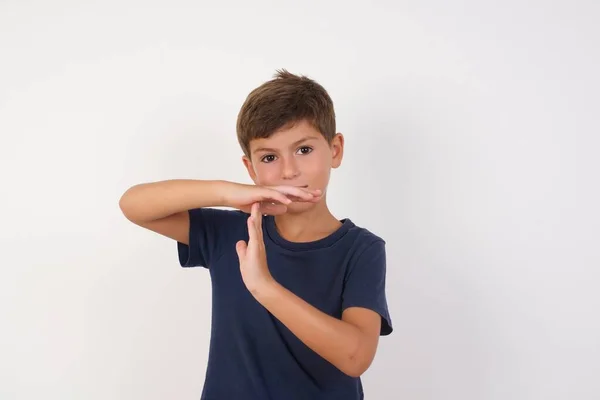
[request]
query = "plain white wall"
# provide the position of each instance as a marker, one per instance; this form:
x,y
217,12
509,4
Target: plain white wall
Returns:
x,y
472,139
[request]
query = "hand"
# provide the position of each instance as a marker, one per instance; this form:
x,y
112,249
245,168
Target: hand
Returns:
x,y
272,200
252,256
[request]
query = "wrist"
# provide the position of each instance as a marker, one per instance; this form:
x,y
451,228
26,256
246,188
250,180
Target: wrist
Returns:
x,y
268,290
222,190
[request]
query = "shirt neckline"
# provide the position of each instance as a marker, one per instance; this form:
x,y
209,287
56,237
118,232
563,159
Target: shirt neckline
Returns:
x,y
271,230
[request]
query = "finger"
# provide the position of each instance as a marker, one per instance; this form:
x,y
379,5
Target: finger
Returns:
x,y
303,194
254,215
273,209
293,191
300,193
258,224
277,196
251,231
304,199
255,211
240,248
312,199
317,198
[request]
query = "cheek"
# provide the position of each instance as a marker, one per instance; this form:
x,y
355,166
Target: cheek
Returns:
x,y
267,174
315,165
316,172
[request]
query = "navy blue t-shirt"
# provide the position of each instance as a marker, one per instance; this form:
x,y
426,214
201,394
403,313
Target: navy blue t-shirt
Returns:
x,y
253,356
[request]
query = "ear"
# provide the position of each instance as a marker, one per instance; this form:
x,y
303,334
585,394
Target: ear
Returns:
x,y
337,150
248,164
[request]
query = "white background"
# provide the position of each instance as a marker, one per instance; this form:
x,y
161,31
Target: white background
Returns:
x,y
472,134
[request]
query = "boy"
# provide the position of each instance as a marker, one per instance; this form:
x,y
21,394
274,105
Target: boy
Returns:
x,y
298,296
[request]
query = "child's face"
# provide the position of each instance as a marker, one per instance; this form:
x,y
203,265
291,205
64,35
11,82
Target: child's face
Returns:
x,y
297,156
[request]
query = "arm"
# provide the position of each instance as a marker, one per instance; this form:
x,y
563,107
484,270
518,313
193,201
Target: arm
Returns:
x,y
163,206
349,344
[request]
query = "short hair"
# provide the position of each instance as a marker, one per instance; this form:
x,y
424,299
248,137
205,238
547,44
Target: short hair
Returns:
x,y
281,102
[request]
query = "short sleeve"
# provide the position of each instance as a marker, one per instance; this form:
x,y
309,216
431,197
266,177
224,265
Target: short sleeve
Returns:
x,y
208,236
365,284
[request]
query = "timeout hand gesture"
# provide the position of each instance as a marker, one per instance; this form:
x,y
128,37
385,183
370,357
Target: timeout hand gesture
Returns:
x,y
252,255
272,200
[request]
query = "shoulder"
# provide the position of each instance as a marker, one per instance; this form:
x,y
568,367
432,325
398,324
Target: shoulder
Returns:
x,y
364,239
212,231
217,224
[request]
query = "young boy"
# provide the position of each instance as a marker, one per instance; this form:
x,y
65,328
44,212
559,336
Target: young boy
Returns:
x,y
298,296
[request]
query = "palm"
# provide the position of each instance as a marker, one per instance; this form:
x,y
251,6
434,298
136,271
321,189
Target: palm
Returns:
x,y
252,255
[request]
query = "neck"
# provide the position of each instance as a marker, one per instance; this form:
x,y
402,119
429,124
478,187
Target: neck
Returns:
x,y
313,224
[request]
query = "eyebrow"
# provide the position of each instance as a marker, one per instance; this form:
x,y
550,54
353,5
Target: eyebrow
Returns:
x,y
296,143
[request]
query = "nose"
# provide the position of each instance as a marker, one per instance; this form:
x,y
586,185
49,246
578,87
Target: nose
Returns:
x,y
290,169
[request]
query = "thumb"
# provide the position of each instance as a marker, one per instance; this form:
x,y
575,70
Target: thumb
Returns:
x,y
240,248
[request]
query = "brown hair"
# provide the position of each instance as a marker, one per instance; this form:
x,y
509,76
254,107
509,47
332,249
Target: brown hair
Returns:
x,y
282,102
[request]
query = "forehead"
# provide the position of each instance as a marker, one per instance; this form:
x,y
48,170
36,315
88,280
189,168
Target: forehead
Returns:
x,y
288,136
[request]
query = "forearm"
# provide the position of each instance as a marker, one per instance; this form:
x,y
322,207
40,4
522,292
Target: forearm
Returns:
x,y
155,200
333,339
